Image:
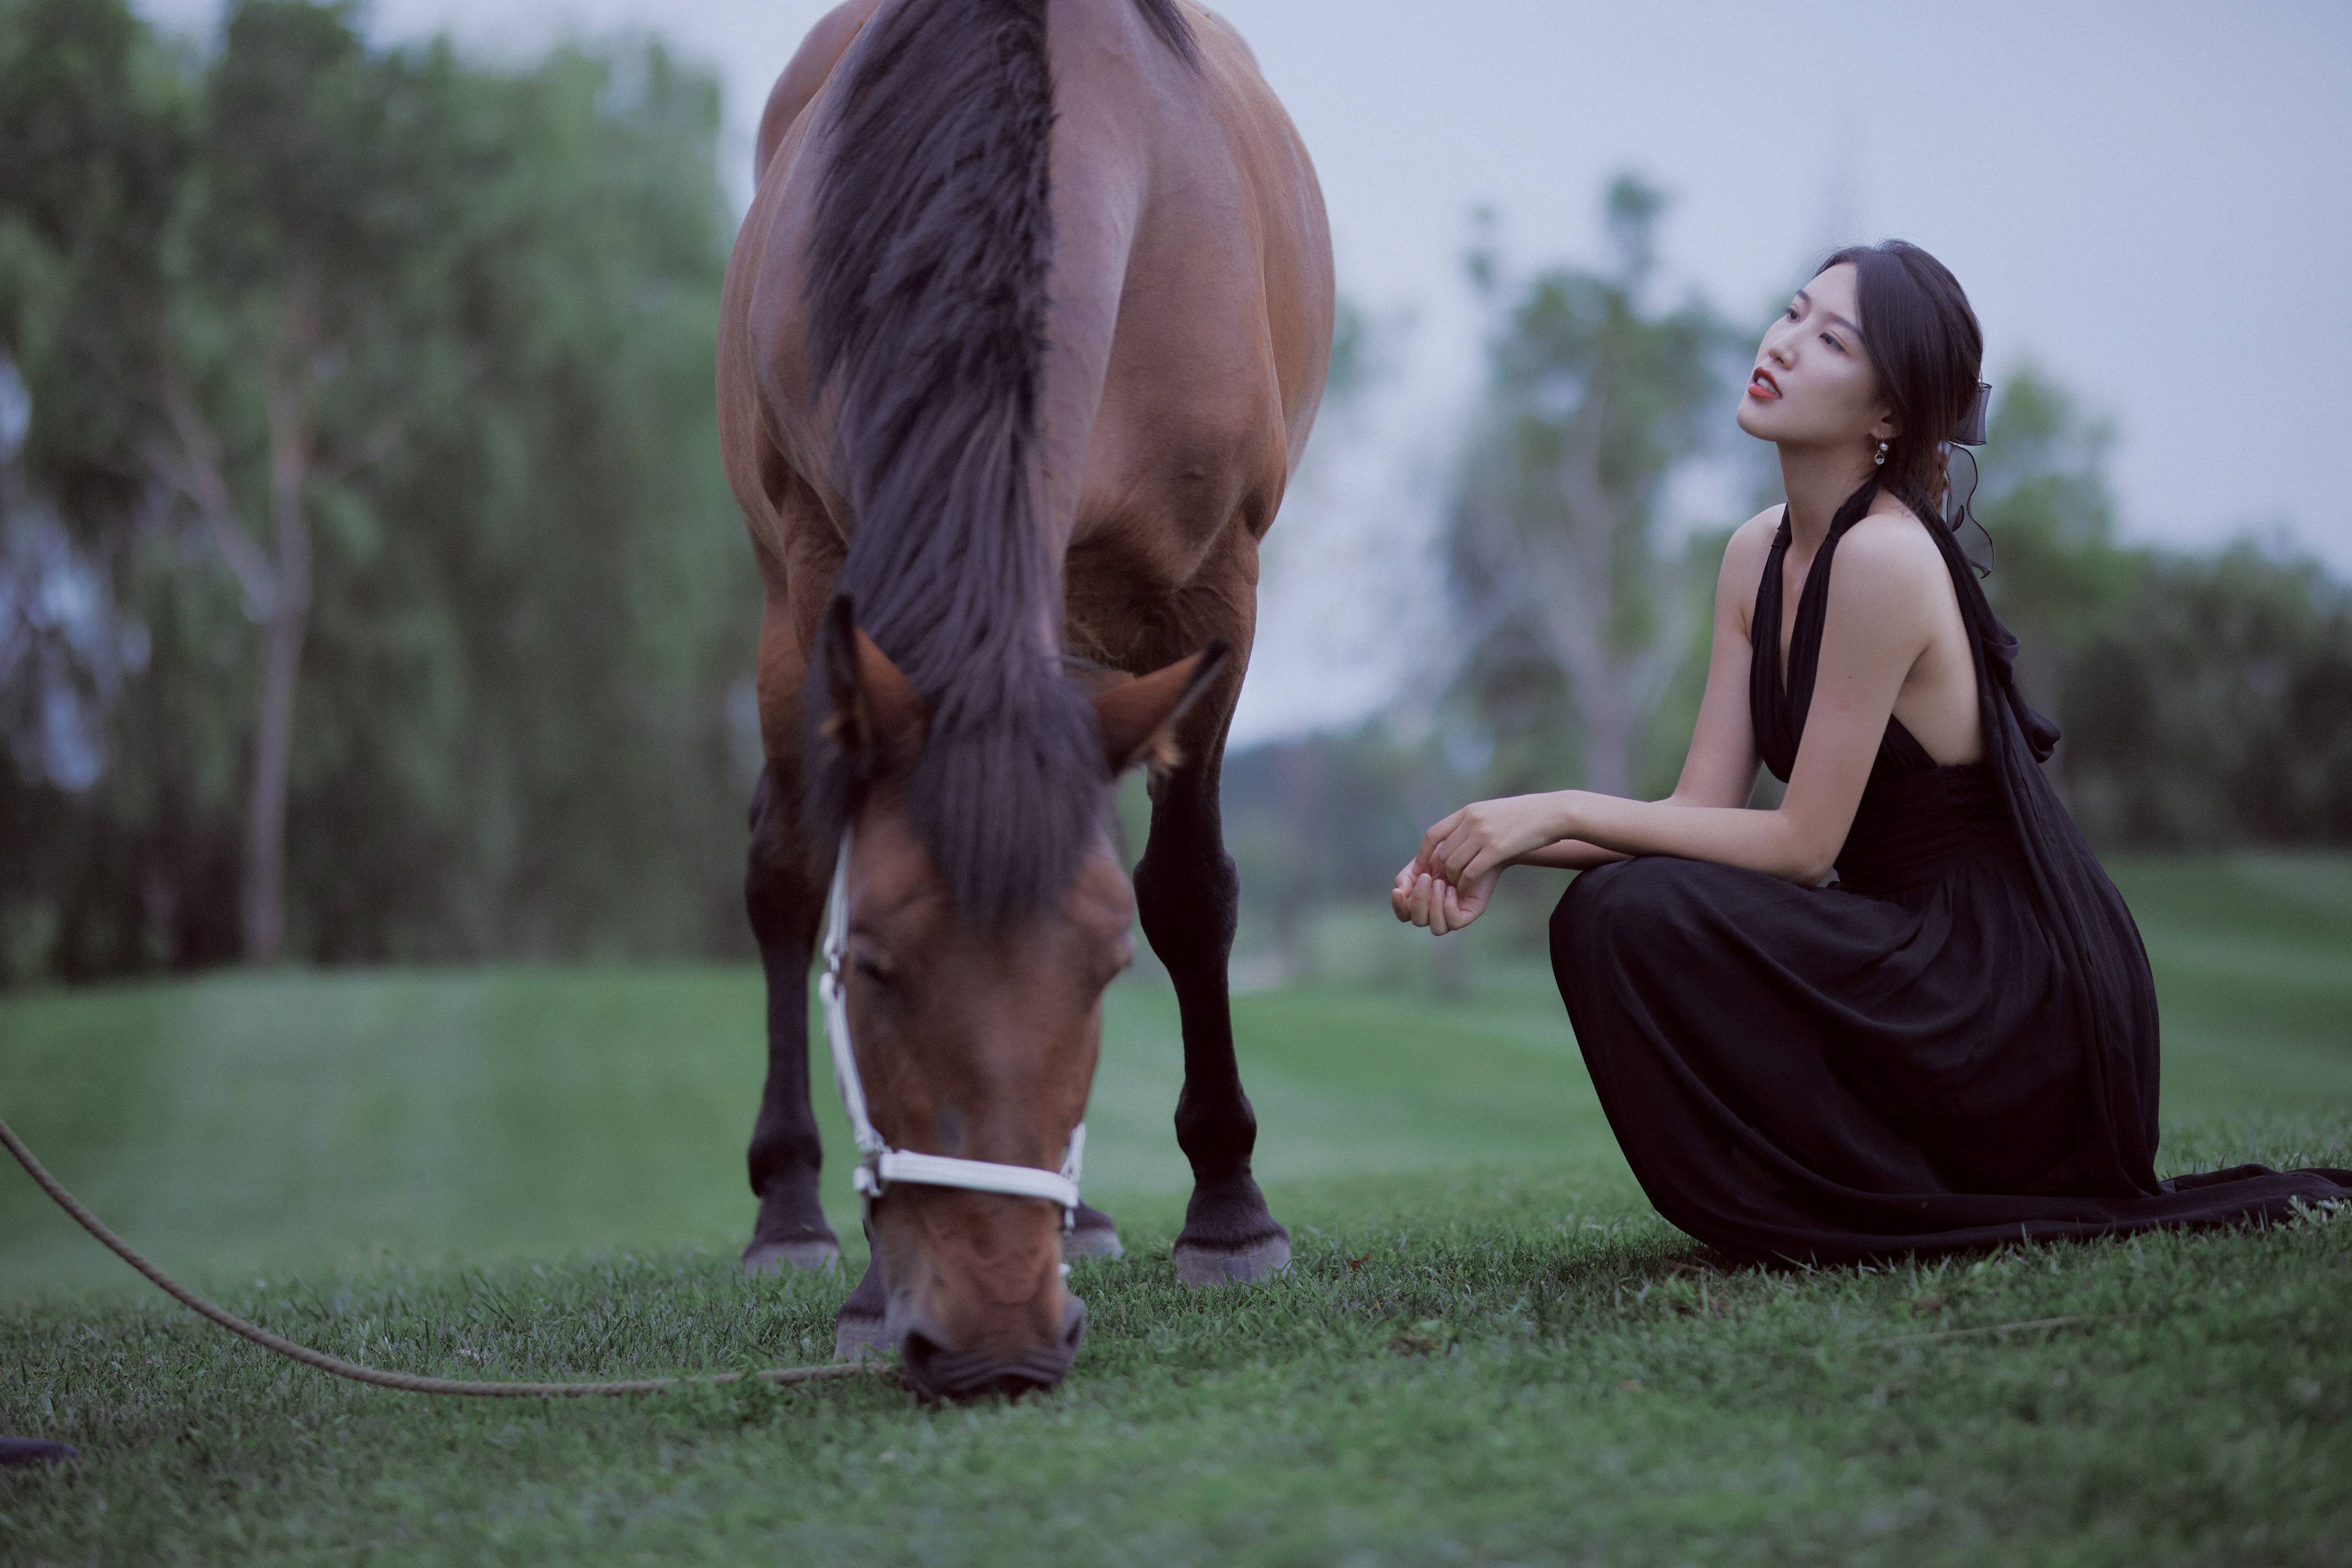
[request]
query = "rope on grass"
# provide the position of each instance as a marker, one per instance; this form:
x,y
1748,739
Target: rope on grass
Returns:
x,y
405,1382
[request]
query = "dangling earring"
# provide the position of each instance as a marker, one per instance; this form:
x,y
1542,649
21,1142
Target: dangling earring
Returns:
x,y
1880,460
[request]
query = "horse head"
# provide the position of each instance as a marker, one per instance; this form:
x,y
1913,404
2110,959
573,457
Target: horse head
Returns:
x,y
975,1040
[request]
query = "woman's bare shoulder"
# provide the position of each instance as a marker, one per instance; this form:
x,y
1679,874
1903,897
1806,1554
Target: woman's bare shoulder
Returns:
x,y
1890,542
1890,574
1750,542
1744,556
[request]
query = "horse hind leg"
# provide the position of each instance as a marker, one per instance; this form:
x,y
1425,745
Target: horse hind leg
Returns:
x,y
1092,1234
786,903
1188,896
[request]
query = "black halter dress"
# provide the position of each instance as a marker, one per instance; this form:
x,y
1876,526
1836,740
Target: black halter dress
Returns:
x,y
1954,1044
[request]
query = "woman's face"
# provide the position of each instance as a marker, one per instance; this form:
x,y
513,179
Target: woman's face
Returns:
x,y
1813,384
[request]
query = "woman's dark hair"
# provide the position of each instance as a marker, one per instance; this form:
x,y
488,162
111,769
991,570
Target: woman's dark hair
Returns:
x,y
1922,337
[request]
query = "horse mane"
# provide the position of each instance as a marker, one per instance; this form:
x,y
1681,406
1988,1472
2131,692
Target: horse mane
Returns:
x,y
1173,29
927,291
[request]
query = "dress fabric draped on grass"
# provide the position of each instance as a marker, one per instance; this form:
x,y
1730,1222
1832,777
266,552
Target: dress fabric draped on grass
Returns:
x,y
1952,1045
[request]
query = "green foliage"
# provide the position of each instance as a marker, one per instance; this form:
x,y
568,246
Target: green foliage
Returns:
x,y
530,602
2203,697
1357,359
2045,501
99,122
2212,709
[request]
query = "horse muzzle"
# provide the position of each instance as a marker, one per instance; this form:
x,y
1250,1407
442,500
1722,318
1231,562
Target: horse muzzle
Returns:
x,y
938,1372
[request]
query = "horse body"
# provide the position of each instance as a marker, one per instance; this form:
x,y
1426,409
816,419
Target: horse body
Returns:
x,y
1191,311
1182,338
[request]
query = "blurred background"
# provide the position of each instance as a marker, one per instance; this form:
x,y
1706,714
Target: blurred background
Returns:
x,y
370,593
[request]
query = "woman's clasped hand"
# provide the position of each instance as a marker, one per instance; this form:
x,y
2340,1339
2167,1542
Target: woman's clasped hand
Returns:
x,y
1450,879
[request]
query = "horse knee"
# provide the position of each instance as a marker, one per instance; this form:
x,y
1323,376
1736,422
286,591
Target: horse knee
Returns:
x,y
1189,908
775,883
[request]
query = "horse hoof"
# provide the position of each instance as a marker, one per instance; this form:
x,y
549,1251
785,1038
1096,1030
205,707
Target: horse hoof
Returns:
x,y
857,1327
811,1256
1092,1241
857,1336
1244,1265
1093,1236
34,1451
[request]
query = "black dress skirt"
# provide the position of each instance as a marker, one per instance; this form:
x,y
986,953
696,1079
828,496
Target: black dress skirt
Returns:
x,y
1953,1045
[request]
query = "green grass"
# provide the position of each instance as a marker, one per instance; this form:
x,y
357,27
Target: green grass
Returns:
x,y
1489,1349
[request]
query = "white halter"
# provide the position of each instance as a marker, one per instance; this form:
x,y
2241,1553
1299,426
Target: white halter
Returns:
x,y
881,1164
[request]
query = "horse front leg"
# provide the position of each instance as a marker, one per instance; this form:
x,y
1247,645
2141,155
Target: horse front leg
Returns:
x,y
1188,896
784,892
786,903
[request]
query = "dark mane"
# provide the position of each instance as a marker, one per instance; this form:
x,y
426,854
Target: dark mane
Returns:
x,y
1168,22
927,289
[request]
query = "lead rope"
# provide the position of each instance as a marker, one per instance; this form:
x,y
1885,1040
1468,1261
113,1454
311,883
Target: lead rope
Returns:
x,y
406,1382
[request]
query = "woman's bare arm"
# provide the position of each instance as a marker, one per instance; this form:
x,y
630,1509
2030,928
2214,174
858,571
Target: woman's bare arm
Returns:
x,y
1720,767
1877,628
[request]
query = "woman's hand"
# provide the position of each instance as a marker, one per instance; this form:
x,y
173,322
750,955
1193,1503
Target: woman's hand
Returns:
x,y
1468,848
1422,900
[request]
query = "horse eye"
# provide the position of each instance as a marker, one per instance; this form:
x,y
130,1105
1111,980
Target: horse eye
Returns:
x,y
871,968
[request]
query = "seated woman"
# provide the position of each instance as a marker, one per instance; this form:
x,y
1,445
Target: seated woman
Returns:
x,y
1954,1043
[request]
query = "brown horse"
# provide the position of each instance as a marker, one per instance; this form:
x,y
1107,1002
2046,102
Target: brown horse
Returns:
x,y
1022,337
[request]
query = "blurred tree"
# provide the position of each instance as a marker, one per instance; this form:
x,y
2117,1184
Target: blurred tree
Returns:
x,y
1321,821
99,123
99,120
2217,708
301,228
381,401
2203,699
1566,599
2058,575
1362,351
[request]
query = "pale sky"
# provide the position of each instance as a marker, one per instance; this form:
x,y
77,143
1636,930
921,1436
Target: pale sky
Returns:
x,y
2152,199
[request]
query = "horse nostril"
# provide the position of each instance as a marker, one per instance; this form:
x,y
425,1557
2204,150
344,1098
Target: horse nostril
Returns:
x,y
922,1353
1073,1324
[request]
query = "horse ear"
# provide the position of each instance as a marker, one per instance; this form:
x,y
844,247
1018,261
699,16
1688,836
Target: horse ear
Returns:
x,y
877,717
1138,718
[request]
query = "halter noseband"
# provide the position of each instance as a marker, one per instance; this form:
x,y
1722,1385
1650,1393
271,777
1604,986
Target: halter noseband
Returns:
x,y
880,1165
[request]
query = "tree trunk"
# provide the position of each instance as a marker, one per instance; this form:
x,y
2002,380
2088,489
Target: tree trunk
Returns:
x,y
289,409
273,746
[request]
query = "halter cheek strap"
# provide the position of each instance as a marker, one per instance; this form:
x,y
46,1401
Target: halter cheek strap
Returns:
x,y
880,1165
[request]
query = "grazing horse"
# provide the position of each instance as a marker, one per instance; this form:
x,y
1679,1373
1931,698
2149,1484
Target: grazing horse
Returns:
x,y
1022,340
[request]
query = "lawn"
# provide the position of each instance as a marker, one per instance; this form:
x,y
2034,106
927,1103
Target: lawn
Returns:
x,y
1488,1349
